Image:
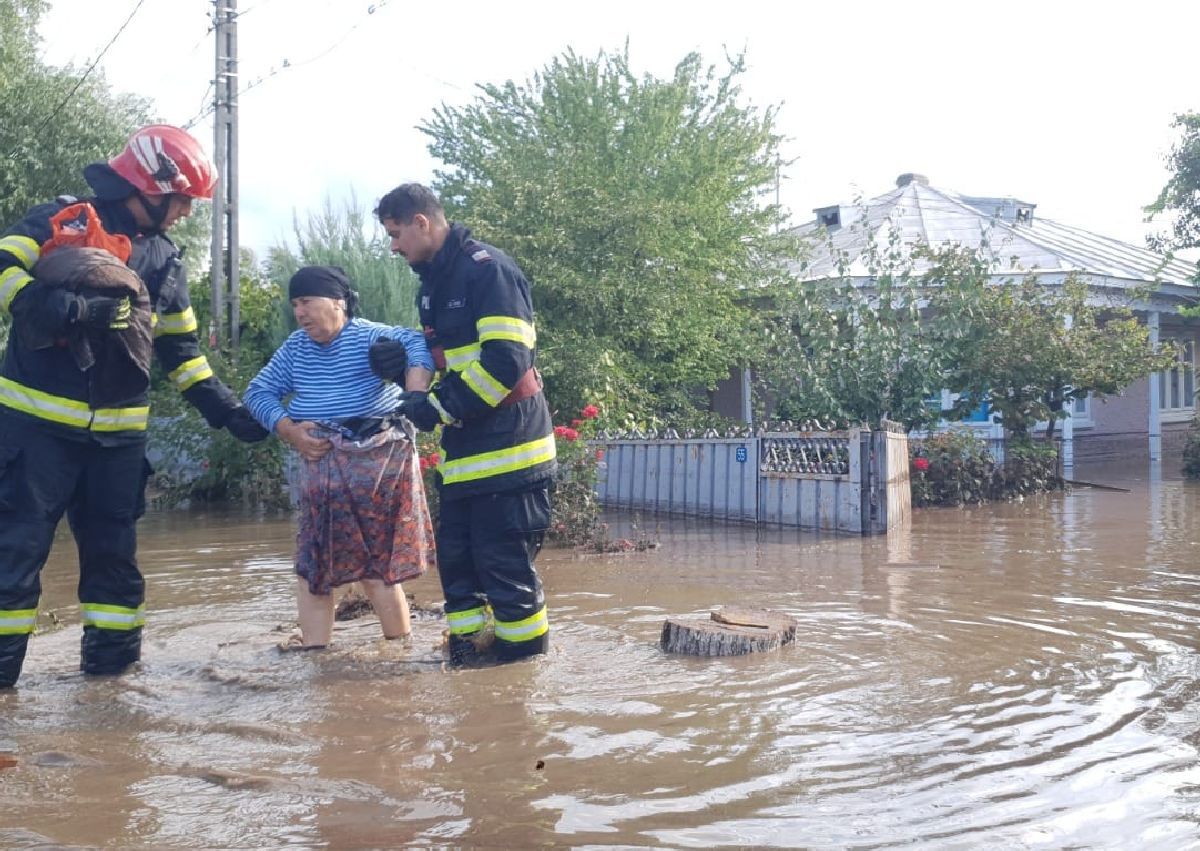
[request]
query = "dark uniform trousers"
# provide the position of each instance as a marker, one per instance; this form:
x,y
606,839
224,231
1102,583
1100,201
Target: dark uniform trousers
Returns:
x,y
486,545
102,490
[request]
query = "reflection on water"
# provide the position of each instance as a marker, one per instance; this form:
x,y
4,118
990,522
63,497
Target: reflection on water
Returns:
x,y
1019,675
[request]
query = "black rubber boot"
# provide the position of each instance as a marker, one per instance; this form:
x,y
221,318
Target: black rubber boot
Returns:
x,y
470,651
108,652
12,656
511,651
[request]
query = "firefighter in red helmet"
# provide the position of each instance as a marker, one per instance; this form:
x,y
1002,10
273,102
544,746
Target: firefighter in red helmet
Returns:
x,y
74,383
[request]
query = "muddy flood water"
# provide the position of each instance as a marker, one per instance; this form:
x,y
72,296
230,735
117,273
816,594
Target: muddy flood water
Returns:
x,y
1022,675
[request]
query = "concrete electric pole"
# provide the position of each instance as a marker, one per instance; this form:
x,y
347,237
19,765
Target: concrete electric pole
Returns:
x,y
226,266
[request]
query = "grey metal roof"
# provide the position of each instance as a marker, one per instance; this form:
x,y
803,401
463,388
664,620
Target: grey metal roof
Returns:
x,y
1021,240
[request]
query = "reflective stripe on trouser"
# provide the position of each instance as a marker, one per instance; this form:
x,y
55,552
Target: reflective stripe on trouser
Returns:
x,y
17,621
43,475
469,621
486,546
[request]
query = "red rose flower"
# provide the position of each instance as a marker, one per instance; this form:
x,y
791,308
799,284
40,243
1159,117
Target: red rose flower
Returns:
x,y
590,412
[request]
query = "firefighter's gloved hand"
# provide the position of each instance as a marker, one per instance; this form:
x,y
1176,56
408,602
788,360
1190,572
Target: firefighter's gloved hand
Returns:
x,y
388,360
101,312
242,425
41,310
415,405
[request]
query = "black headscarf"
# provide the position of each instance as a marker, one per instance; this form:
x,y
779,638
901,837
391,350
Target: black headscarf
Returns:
x,y
324,281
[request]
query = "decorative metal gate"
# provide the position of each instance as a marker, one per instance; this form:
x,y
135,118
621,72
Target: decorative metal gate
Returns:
x,y
847,480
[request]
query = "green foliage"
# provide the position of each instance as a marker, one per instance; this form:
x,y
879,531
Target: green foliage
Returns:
x,y
956,468
842,350
350,238
1181,195
51,123
576,514
1191,450
1040,348
637,206
203,465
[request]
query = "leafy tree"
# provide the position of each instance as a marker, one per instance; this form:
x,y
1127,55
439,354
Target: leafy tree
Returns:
x,y
1041,348
842,350
53,121
637,207
350,238
1181,195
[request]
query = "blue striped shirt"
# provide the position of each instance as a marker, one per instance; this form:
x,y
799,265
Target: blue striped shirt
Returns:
x,y
331,381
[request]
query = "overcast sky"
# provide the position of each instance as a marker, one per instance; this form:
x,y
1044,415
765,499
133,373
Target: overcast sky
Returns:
x,y
1064,104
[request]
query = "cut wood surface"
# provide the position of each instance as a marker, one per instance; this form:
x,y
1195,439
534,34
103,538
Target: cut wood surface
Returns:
x,y
729,631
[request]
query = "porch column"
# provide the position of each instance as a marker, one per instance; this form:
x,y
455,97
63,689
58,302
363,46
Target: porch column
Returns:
x,y
1154,422
1068,424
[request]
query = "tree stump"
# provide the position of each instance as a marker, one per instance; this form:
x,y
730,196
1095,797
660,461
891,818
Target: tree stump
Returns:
x,y
731,631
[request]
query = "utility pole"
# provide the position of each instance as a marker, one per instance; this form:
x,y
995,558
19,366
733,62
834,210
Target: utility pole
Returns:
x,y
226,266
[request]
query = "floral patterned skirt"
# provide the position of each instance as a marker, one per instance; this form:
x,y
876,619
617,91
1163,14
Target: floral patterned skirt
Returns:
x,y
363,514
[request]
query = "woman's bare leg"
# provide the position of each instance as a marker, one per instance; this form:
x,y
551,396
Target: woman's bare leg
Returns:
x,y
316,615
391,606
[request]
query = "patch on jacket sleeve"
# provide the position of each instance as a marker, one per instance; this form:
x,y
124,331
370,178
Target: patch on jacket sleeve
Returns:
x,y
481,255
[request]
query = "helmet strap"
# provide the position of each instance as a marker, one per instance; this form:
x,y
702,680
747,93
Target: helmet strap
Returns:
x,y
156,212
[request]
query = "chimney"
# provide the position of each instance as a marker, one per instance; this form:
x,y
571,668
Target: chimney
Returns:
x,y
911,177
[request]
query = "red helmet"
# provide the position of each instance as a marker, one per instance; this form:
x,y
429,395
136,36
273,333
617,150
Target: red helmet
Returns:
x,y
161,159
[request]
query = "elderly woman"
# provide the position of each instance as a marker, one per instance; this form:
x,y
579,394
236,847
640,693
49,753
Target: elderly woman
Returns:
x,y
363,515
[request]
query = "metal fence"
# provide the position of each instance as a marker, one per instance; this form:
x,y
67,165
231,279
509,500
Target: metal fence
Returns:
x,y
847,480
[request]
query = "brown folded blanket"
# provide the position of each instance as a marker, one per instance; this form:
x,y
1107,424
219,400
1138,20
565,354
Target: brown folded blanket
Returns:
x,y
120,360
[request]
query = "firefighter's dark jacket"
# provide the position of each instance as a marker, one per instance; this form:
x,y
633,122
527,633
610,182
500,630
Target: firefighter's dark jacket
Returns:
x,y
475,305
45,383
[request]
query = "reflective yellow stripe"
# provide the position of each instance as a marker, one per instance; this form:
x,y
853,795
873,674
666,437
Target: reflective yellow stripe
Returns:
x,y
465,623
113,617
442,412
183,322
500,461
120,419
24,249
190,372
485,386
72,412
506,328
523,630
457,359
12,281
17,621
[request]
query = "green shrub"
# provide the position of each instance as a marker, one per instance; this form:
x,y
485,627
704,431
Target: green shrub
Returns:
x,y
956,468
1191,450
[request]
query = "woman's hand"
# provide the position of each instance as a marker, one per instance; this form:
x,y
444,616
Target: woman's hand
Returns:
x,y
300,436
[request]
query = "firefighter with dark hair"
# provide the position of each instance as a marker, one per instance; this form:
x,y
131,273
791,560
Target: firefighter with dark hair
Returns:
x,y
497,438
74,384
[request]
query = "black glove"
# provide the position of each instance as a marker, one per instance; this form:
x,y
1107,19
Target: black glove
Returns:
x,y
388,360
242,425
415,405
100,312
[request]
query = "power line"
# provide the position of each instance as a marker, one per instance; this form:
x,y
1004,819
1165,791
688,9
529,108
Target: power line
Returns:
x,y
81,80
287,64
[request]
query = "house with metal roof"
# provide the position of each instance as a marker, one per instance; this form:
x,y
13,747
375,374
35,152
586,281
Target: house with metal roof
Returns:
x,y
1148,417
